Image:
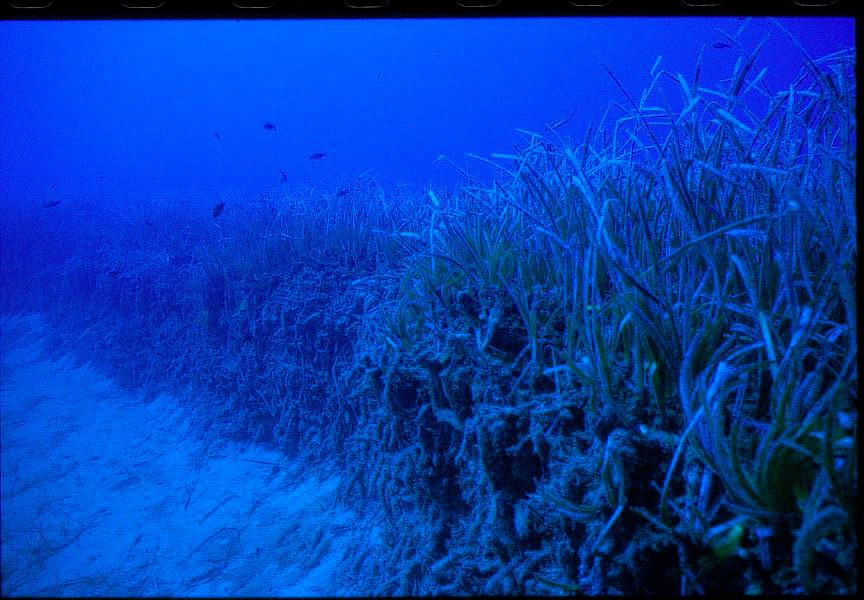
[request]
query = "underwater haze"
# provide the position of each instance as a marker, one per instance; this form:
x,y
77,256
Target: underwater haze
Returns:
x,y
428,307
117,110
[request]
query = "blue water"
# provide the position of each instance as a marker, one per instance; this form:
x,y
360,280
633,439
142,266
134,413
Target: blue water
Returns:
x,y
117,110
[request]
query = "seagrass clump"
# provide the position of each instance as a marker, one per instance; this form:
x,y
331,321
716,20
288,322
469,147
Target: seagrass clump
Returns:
x,y
629,365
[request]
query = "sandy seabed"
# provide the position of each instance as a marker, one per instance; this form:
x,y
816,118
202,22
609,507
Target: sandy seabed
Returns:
x,y
107,493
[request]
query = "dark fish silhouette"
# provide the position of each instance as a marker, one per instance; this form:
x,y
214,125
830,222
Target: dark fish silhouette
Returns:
x,y
217,210
51,204
721,45
218,137
269,126
283,176
317,155
343,192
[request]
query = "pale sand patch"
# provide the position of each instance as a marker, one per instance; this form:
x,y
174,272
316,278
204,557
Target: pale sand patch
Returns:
x,y
105,493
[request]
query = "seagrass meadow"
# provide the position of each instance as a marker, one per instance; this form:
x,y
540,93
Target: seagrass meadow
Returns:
x,y
623,363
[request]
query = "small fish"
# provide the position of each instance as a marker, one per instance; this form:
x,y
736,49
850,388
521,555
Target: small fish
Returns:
x,y
53,185
51,204
721,45
217,210
343,192
283,176
100,177
269,126
317,155
218,137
